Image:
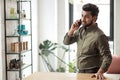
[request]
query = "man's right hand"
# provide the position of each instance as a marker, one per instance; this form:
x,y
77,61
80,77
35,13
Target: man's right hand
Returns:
x,y
74,27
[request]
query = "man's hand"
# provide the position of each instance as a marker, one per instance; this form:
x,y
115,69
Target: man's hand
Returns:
x,y
99,75
74,27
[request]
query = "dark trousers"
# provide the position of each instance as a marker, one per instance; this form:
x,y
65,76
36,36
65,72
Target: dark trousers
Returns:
x,y
94,70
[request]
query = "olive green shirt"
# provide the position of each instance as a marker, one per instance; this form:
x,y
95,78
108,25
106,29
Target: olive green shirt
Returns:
x,y
92,48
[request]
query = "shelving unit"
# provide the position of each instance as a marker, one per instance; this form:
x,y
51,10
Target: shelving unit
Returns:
x,y
18,39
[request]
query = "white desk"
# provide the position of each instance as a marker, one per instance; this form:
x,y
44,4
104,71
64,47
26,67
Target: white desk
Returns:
x,y
66,76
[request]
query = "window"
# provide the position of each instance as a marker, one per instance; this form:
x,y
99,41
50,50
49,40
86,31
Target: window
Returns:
x,y
105,17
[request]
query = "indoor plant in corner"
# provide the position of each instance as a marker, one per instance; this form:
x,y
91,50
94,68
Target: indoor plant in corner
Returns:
x,y
47,48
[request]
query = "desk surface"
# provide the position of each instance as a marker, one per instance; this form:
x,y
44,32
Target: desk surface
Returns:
x,y
62,76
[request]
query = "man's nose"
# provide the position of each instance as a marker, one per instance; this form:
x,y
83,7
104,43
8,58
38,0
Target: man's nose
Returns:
x,y
83,19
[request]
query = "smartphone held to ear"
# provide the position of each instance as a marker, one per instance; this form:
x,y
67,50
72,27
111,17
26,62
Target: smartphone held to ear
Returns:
x,y
79,23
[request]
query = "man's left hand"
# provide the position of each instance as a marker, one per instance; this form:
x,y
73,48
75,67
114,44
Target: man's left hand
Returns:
x,y
98,76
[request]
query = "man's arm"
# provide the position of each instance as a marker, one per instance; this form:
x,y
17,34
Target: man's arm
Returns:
x,y
70,37
105,53
103,47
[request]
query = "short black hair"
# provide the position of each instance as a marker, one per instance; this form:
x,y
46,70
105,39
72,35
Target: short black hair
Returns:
x,y
92,8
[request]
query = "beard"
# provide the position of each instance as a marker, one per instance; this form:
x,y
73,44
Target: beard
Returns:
x,y
86,25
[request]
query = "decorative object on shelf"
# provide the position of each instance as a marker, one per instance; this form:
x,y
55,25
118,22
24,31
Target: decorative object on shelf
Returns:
x,y
13,14
21,30
15,64
23,14
19,46
15,47
21,27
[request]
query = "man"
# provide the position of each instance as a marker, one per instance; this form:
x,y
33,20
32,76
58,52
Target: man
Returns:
x,y
93,53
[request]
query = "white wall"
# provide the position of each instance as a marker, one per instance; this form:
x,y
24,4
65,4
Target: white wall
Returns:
x,y
116,27
0,48
2,40
47,23
62,20
35,34
61,17
47,20
51,21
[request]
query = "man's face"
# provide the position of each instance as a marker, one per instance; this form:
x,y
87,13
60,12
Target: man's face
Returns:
x,y
87,18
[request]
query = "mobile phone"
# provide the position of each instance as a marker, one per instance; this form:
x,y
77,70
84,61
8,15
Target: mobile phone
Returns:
x,y
79,23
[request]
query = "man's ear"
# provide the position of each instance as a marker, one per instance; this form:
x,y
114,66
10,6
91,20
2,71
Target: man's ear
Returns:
x,y
95,18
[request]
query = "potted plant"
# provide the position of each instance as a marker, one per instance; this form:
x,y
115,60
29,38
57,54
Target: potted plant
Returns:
x,y
47,48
